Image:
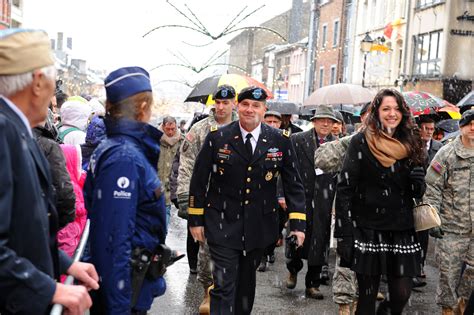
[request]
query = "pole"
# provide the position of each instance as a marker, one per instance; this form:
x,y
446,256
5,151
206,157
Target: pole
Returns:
x,y
58,308
312,40
363,72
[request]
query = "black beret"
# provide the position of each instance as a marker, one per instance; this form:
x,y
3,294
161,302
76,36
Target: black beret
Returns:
x,y
224,92
466,118
253,93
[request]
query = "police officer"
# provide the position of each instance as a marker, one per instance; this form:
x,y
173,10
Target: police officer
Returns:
x,y
232,200
125,198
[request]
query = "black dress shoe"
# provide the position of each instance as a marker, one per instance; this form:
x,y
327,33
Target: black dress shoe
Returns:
x,y
417,283
263,266
271,258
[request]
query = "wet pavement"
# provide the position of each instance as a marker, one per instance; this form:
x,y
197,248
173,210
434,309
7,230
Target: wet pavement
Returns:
x,y
184,293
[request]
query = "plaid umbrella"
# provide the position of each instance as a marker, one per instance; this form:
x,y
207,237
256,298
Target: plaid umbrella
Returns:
x,y
422,103
202,92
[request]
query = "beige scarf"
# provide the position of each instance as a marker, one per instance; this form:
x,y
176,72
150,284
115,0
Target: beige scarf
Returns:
x,y
387,150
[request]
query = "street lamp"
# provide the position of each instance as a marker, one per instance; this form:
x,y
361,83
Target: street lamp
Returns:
x,y
365,46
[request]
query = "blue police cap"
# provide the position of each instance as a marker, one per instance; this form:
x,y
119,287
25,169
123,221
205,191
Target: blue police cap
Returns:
x,y
253,93
125,82
224,92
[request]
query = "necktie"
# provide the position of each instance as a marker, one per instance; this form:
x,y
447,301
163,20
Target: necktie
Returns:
x,y
248,145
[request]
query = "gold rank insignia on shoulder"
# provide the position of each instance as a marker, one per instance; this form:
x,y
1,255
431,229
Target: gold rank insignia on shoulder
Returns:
x,y
286,133
269,176
214,128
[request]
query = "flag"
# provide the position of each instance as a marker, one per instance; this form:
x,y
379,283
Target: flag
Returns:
x,y
388,30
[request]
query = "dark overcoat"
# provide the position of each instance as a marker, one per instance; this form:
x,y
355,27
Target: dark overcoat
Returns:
x,y
29,258
319,194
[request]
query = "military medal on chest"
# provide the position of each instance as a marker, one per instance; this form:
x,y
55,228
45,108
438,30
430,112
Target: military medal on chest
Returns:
x,y
269,176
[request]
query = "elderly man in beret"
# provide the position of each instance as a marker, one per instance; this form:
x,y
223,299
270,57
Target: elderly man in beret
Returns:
x,y
232,200
30,262
450,190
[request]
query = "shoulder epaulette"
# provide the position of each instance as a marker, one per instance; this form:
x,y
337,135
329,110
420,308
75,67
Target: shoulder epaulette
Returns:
x,y
286,133
214,128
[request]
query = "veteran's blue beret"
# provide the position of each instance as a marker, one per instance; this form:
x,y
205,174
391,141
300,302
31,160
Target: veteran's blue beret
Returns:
x,y
125,82
253,93
224,92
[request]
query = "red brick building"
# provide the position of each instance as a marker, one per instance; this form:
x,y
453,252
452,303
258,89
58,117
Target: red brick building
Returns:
x,y
331,33
5,14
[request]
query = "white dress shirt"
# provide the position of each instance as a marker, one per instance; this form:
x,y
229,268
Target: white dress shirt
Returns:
x,y
255,134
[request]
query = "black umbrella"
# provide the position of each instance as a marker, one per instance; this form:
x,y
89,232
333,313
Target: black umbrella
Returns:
x,y
448,125
283,107
467,100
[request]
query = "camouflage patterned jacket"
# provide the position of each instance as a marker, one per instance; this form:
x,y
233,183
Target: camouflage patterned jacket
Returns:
x,y
330,155
189,150
450,187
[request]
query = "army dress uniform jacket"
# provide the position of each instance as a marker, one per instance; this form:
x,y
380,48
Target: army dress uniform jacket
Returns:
x,y
234,197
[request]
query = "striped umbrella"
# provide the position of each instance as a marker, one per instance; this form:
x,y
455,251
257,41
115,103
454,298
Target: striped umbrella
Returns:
x,y
202,92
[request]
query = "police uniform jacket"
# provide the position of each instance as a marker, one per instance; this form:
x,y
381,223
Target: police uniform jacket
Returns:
x,y
29,258
233,196
127,211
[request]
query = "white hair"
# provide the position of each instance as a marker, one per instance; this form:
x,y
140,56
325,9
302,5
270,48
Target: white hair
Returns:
x,y
11,84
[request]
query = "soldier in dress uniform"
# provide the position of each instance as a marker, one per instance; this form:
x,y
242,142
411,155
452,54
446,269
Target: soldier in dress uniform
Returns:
x,y
232,200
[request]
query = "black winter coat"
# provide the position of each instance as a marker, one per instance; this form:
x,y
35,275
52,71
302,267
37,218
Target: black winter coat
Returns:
x,y
65,197
372,196
319,194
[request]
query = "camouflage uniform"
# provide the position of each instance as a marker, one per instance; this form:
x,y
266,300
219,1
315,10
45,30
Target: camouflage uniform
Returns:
x,y
450,189
329,157
189,151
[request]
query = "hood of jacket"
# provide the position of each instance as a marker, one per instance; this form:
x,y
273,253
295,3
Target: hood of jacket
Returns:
x,y
76,114
95,131
145,135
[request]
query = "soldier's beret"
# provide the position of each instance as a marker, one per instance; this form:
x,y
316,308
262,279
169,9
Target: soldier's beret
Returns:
x,y
224,92
125,82
253,93
466,118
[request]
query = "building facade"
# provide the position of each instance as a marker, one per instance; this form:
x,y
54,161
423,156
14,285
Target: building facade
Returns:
x,y
17,13
385,23
440,50
5,14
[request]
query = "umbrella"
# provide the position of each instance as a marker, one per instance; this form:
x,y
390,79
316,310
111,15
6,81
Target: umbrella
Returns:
x,y
467,100
341,93
422,102
283,107
448,125
203,91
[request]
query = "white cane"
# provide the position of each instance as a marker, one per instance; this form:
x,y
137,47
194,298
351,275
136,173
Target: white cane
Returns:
x,y
58,308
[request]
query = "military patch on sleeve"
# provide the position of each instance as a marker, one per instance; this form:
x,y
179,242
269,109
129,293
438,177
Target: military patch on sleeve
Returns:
x,y
438,168
185,146
286,133
190,136
214,128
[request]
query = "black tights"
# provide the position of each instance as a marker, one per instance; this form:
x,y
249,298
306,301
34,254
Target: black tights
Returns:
x,y
399,289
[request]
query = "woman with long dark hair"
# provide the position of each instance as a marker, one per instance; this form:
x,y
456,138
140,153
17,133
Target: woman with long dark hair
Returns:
x,y
382,173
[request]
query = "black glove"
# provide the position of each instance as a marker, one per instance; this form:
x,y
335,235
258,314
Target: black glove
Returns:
x,y
436,232
175,202
345,249
183,206
417,174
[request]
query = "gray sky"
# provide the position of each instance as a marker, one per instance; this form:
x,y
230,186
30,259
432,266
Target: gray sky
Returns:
x,y
108,33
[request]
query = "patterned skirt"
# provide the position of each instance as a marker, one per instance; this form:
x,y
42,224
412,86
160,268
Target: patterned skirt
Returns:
x,y
394,253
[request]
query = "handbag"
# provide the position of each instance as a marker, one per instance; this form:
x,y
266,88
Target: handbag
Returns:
x,y
425,217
